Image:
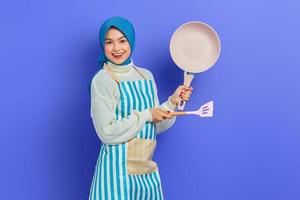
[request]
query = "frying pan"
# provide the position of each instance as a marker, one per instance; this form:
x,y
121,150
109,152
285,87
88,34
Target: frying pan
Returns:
x,y
195,47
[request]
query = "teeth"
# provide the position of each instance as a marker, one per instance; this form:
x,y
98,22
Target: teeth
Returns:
x,y
117,54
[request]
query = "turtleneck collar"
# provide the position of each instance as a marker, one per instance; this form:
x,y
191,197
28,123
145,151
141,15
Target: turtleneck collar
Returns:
x,y
120,68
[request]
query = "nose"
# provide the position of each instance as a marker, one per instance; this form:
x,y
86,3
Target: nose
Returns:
x,y
116,46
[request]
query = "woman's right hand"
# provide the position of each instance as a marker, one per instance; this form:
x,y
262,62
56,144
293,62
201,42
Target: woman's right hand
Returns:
x,y
159,114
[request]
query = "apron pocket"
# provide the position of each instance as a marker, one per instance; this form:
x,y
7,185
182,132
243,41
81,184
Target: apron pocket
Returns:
x,y
139,156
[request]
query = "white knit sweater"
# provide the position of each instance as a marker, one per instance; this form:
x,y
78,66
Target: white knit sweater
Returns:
x,y
104,97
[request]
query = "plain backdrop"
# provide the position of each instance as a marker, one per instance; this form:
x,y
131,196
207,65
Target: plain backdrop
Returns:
x,y
249,150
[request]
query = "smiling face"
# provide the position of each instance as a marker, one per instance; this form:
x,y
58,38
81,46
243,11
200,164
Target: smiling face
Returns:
x,y
117,48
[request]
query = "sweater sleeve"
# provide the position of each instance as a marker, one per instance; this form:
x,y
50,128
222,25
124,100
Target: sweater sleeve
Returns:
x,y
104,100
167,105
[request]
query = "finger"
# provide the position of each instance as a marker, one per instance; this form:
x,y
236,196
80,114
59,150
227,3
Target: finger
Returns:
x,y
169,115
187,87
188,92
166,116
185,99
181,93
181,97
186,95
184,91
163,115
164,111
183,88
160,119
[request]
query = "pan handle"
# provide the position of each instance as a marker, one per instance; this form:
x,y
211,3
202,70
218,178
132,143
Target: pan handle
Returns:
x,y
188,77
181,105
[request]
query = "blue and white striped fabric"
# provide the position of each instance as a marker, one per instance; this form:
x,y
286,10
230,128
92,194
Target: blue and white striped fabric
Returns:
x,y
110,180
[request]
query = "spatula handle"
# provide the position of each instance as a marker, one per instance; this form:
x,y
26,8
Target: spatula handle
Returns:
x,y
178,113
188,77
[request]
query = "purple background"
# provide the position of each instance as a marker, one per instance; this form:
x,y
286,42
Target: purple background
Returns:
x,y
249,150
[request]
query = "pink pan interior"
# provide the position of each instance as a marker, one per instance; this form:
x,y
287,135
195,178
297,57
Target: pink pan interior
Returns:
x,y
195,47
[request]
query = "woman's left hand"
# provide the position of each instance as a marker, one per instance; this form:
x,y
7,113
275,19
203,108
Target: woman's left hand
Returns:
x,y
181,93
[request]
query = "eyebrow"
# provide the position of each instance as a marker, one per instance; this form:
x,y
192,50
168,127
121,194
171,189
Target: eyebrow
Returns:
x,y
117,39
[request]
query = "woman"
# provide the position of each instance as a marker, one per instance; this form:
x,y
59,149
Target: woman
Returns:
x,y
127,117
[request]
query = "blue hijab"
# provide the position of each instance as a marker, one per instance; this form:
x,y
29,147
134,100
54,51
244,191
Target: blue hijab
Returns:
x,y
122,25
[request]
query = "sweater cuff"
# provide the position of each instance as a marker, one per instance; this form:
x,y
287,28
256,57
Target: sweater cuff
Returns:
x,y
170,105
147,115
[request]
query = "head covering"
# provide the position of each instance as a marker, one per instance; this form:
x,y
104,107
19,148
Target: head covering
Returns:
x,y
124,26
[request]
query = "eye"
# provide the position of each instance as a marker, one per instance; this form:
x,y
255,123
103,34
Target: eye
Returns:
x,y
123,41
108,42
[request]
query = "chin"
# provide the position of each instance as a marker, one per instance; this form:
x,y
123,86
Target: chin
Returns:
x,y
116,61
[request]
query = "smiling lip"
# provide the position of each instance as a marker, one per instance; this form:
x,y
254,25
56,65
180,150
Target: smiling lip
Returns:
x,y
117,55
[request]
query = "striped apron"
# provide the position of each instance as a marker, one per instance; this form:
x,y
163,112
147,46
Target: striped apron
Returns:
x,y
126,171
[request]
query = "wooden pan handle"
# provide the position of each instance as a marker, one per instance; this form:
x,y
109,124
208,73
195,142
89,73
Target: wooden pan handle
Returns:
x,y
178,113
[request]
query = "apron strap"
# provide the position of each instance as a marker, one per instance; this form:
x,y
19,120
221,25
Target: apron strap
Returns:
x,y
139,72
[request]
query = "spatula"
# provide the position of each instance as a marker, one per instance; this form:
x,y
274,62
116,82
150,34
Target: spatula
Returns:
x,y
205,110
